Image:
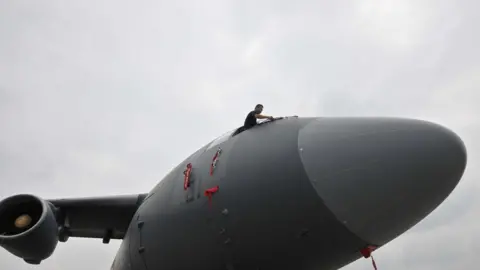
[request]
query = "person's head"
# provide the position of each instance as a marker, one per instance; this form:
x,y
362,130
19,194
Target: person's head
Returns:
x,y
259,108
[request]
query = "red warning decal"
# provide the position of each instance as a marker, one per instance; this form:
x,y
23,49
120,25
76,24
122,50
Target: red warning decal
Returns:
x,y
186,179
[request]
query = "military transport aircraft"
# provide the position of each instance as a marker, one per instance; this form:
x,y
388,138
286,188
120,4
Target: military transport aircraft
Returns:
x,y
291,193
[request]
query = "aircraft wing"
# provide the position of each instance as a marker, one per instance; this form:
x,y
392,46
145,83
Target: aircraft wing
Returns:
x,y
96,217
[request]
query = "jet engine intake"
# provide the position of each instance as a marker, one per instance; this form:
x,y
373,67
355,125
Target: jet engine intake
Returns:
x,y
28,228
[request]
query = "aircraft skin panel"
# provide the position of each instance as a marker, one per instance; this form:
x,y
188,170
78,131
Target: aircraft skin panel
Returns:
x,y
133,247
265,205
123,261
408,167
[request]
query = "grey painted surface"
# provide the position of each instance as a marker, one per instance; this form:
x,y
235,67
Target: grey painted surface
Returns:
x,y
272,210
272,202
380,176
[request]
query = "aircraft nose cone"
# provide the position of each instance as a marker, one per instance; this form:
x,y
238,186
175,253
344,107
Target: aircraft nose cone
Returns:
x,y
379,177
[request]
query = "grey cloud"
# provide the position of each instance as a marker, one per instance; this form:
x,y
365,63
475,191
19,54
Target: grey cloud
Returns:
x,y
94,93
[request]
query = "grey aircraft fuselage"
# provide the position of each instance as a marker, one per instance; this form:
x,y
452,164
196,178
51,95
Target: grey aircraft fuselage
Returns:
x,y
296,193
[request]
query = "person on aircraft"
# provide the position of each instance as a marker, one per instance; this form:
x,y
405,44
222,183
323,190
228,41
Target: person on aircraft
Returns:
x,y
251,119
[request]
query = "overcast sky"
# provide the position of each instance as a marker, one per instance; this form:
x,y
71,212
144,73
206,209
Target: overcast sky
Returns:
x,y
105,97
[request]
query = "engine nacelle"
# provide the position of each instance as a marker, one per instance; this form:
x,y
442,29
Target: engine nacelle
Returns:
x,y
28,228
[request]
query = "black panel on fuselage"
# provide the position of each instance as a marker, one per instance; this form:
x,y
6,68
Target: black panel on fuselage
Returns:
x,y
266,214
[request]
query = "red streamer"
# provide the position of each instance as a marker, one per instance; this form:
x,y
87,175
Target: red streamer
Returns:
x,y
209,193
186,179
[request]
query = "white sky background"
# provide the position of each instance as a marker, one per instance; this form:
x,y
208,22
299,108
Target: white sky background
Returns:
x,y
105,97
